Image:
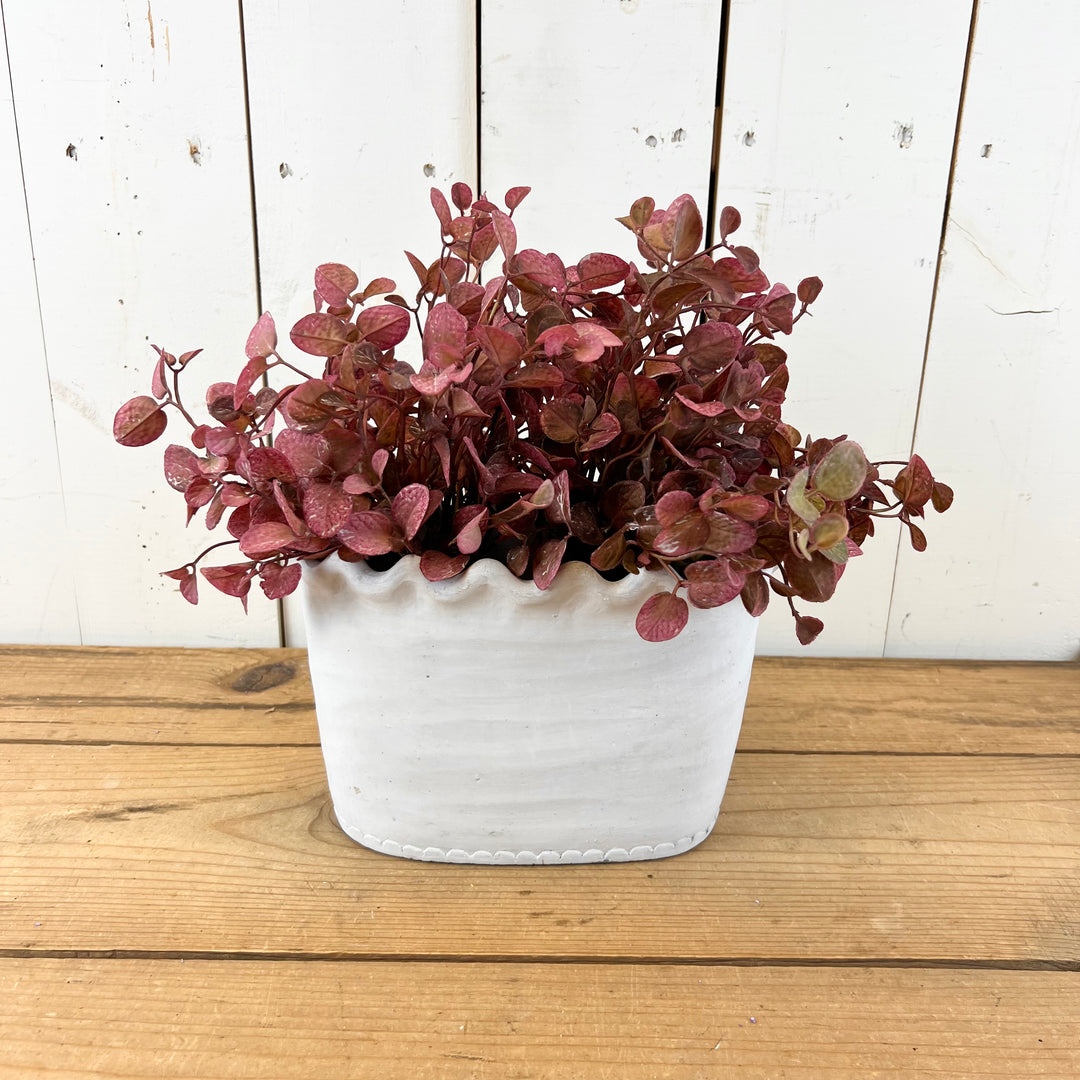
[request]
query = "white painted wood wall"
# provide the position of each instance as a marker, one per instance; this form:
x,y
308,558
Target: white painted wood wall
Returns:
x,y
167,165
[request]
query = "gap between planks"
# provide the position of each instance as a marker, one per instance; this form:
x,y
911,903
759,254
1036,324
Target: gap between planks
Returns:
x,y
285,956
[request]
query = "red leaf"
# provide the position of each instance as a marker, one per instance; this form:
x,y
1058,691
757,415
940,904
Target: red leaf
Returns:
x,y
536,377
689,228
189,583
438,566
604,429
702,408
514,196
266,463
662,617
292,519
462,196
321,334
157,383
262,341
914,483
942,496
809,289
469,523
378,287
505,233
729,536
307,453
674,506
326,508
713,582
442,211
599,270
181,467
444,336
730,220
755,594
813,579
410,507
232,580
139,421
246,379
199,492
334,283
689,534
278,581
546,563
807,628
748,259
266,539
384,326
560,420
746,507
712,345
368,532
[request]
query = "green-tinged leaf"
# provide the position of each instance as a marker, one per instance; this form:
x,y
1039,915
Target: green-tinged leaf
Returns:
x,y
841,472
798,500
828,531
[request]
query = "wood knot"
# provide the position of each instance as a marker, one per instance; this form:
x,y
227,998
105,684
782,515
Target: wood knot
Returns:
x,y
262,677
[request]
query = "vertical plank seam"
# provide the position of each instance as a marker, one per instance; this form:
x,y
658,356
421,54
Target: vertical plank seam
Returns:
x,y
718,117
279,604
41,319
946,207
478,32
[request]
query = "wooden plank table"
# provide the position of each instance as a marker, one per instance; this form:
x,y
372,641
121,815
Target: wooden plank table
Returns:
x,y
892,890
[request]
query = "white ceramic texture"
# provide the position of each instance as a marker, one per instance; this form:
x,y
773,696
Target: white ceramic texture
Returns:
x,y
481,720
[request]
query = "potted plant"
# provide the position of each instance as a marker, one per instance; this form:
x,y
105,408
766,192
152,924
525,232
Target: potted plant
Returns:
x,y
499,545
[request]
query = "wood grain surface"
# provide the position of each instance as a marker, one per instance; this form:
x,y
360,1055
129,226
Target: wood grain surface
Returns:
x,y
141,849
264,697
340,1021
890,890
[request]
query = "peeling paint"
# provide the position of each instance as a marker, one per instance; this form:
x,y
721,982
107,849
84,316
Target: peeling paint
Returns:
x,y
903,134
150,20
429,169
71,152
195,150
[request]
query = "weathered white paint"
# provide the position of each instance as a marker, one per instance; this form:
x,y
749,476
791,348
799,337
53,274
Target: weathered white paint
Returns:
x,y
837,131
142,232
353,120
594,103
37,595
998,417
836,138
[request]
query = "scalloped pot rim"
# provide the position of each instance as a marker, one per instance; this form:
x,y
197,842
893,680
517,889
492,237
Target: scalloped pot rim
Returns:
x,y
574,579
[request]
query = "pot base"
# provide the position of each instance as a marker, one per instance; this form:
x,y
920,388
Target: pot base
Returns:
x,y
572,856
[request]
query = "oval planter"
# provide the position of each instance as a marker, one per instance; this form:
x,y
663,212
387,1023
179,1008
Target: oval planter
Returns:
x,y
481,720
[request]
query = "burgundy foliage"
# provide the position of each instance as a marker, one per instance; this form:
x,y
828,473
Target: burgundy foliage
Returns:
x,y
624,415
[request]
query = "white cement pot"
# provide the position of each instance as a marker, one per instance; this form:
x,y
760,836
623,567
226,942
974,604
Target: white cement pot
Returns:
x,y
480,720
